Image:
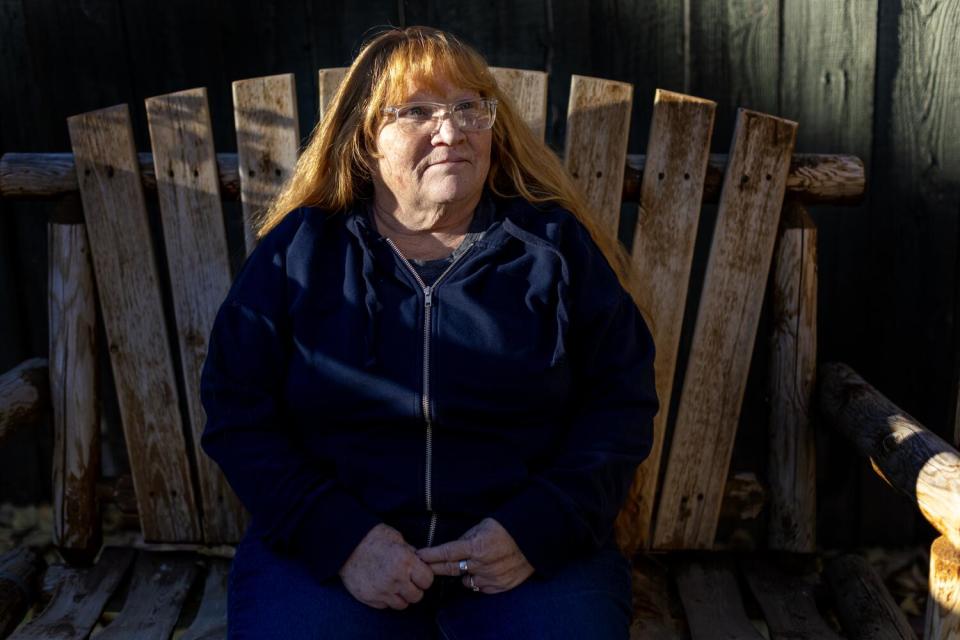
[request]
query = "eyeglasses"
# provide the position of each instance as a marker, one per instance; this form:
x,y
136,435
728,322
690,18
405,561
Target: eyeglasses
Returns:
x,y
426,117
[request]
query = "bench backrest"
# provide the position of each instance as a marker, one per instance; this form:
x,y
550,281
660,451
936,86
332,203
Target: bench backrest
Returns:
x,y
188,181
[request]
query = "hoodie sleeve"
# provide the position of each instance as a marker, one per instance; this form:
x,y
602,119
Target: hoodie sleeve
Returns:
x,y
296,502
570,507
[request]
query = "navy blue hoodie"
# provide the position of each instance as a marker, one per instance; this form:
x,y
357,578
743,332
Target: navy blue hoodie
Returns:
x,y
342,392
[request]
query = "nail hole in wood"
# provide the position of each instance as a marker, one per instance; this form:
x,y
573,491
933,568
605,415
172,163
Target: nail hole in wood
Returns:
x,y
744,179
277,172
686,176
769,177
170,173
576,175
599,173
660,176
86,172
251,173
196,173
109,171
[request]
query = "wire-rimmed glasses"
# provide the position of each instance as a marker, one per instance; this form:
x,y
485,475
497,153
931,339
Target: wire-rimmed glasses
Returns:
x,y
474,114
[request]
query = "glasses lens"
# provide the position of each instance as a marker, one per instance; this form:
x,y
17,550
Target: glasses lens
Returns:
x,y
469,115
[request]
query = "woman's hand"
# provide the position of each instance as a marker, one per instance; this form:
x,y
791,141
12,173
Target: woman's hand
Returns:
x,y
493,558
384,571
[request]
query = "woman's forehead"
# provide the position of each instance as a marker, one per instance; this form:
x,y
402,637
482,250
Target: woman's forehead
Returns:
x,y
438,89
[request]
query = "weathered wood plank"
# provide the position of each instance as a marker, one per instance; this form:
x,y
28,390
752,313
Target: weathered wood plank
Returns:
x,y
914,461
78,600
268,138
24,393
198,260
814,178
329,81
734,56
793,366
787,602
916,169
158,588
132,310
652,617
74,391
528,91
662,255
863,605
943,603
725,331
828,70
210,622
711,600
598,126
20,571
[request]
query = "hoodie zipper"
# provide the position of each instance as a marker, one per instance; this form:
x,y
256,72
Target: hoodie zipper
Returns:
x,y
428,291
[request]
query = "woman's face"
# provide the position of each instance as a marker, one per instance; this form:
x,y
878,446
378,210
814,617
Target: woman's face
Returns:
x,y
431,170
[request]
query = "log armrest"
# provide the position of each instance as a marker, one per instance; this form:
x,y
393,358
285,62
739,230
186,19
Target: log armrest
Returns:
x,y
910,458
24,395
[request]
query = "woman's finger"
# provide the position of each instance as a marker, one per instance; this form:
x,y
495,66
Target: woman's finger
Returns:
x,y
411,593
452,551
422,575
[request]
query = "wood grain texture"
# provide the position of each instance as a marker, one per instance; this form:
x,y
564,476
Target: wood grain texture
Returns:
x,y
528,92
24,393
74,390
210,622
814,178
268,138
20,571
788,603
792,471
913,460
734,57
181,137
671,193
79,598
328,82
827,74
725,331
598,124
943,603
157,591
863,605
711,600
133,317
913,233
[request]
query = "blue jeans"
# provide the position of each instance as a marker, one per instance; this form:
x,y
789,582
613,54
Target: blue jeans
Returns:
x,y
272,595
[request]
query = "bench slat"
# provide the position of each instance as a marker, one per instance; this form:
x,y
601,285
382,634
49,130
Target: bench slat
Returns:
x,y
268,137
133,317
79,598
157,591
788,604
662,255
211,620
528,90
598,127
712,603
329,81
725,330
188,189
792,468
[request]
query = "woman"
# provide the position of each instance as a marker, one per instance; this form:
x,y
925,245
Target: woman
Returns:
x,y
427,384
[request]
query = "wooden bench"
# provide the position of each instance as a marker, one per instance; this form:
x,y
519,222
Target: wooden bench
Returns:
x,y
182,501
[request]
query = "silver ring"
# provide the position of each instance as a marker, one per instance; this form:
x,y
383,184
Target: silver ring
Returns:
x,y
473,585
464,568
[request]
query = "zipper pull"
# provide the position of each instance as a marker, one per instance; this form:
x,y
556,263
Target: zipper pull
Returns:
x,y
428,296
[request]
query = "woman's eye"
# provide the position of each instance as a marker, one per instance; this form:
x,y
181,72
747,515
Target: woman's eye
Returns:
x,y
416,112
469,105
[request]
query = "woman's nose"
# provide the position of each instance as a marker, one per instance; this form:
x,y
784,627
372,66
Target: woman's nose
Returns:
x,y
448,132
